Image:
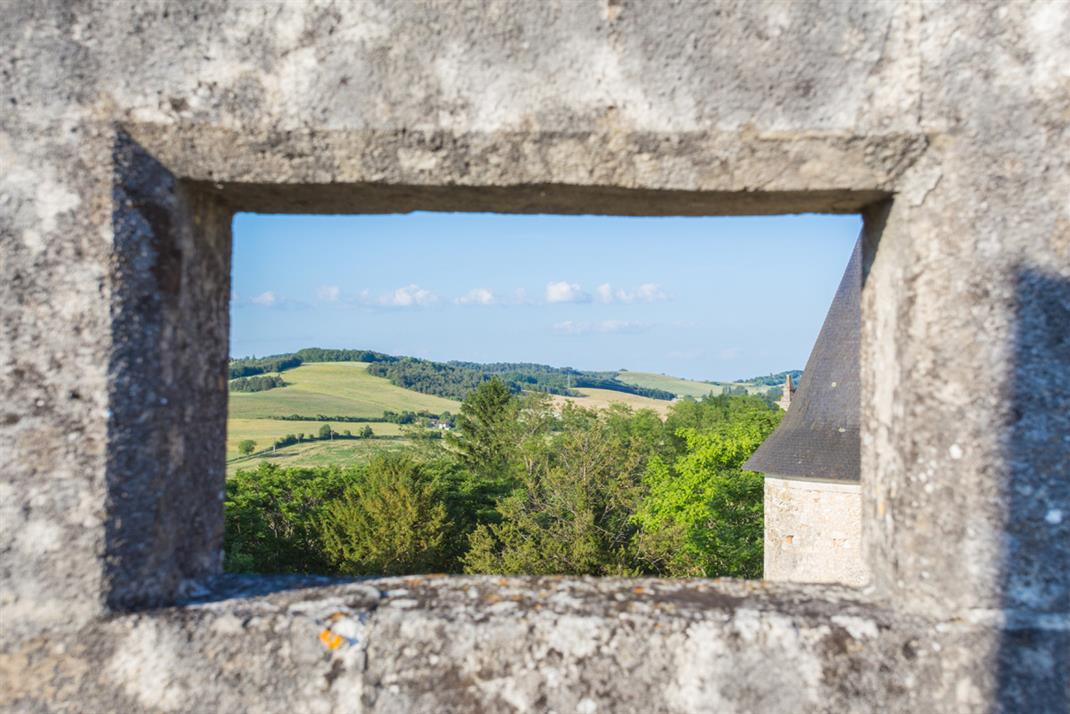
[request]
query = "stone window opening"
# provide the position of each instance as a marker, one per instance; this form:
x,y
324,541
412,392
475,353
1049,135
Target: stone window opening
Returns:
x,y
826,558
172,319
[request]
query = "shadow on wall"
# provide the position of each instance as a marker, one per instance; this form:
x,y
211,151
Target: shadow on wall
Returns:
x,y
1034,659
166,383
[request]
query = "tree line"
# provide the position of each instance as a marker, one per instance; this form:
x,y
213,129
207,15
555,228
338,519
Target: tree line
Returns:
x,y
325,433
776,379
249,366
453,380
522,487
389,416
256,383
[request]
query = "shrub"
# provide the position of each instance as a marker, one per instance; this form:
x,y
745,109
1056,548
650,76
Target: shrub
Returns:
x,y
392,522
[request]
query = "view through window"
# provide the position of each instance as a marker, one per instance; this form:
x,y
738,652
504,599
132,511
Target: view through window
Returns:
x,y
516,394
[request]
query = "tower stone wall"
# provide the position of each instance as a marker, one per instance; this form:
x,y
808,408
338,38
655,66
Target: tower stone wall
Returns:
x,y
813,531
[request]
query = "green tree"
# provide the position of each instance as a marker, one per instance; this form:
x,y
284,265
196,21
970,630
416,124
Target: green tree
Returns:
x,y
246,447
366,433
272,518
391,522
326,432
482,437
703,514
572,512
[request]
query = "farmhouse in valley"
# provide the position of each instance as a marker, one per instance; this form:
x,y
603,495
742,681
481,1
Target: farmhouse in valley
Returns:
x,y
813,502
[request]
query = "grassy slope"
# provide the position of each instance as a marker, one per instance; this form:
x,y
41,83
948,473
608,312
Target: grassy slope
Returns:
x,y
321,453
265,431
600,398
334,389
681,387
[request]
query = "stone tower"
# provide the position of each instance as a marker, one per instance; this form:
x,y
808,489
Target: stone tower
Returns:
x,y
785,399
813,502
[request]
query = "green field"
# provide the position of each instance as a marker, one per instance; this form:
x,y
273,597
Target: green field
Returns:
x,y
602,398
265,431
321,453
681,387
334,389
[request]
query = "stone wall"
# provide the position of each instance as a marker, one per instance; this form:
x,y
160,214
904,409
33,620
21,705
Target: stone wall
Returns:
x,y
132,131
813,531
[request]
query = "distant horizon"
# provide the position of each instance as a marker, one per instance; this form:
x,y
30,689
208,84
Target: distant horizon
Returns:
x,y
712,299
558,366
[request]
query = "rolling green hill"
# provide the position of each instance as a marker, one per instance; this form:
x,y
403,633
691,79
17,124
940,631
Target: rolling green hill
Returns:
x,y
683,387
449,380
334,389
679,387
601,398
347,389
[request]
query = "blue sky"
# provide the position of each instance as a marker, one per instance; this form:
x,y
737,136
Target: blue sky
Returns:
x,y
704,298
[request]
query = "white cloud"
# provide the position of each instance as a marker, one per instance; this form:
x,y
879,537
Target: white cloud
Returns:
x,y
647,292
477,296
329,293
409,296
272,300
565,292
605,327
265,299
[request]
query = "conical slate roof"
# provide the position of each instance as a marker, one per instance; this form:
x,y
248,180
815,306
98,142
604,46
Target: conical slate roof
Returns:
x,y
819,437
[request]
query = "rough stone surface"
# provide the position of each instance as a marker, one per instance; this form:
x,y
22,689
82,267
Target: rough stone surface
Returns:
x,y
813,531
131,132
531,644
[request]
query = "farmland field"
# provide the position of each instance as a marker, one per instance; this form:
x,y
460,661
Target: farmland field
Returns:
x,y
334,389
321,453
682,387
265,431
601,398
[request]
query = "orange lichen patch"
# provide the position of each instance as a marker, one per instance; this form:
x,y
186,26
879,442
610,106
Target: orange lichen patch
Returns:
x,y
491,598
639,590
330,640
